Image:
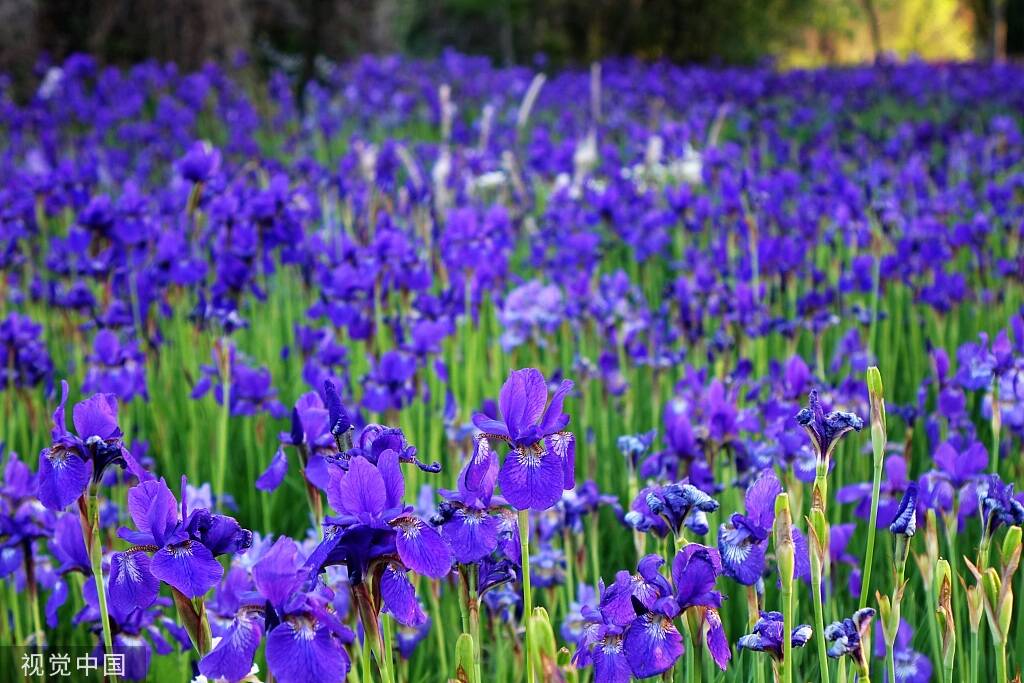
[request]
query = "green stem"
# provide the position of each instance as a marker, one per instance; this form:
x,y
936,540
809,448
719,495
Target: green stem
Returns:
x,y
222,434
975,656
691,647
435,609
1001,676
388,658
869,558
474,622
365,675
890,662
30,581
96,561
524,542
787,630
819,617
997,422
753,614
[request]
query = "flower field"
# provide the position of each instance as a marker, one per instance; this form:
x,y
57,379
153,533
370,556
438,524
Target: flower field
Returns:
x,y
446,371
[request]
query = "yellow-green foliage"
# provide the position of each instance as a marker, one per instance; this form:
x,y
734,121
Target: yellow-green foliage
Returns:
x,y
839,32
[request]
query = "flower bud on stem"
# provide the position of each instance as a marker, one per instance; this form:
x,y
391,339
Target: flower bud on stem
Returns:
x,y
943,591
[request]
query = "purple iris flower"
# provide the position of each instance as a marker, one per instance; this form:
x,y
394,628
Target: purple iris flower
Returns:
x,y
955,478
647,585
743,542
389,386
201,161
305,640
998,504
824,429
375,439
116,368
373,522
979,363
600,644
634,446
26,362
547,566
137,633
237,619
768,635
468,522
664,509
184,547
251,390
633,631
695,570
652,642
847,636
541,463
311,436
905,522
73,460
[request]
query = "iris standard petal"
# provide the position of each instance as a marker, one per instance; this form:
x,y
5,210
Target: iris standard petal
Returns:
x,y
277,574
153,508
96,416
360,491
391,474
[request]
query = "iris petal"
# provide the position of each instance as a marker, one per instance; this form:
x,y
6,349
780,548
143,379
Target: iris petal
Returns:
x,y
299,652
652,645
421,548
400,598
131,583
188,566
531,480
472,534
63,477
232,658
275,472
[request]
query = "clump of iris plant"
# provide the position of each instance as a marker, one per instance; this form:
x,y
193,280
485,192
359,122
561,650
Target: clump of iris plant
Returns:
x,y
825,431
632,631
72,469
541,462
176,546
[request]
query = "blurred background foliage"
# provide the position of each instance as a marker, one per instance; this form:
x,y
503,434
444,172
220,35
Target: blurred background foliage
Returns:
x,y
293,34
